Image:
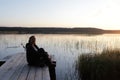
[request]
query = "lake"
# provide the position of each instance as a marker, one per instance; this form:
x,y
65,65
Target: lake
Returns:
x,y
65,48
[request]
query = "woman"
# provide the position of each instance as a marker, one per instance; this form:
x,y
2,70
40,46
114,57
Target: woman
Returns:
x,y
38,57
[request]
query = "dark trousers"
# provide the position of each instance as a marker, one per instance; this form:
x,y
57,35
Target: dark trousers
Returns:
x,y
42,59
52,72
49,63
51,68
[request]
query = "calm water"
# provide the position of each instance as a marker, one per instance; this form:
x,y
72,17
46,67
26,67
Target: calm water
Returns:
x,y
65,48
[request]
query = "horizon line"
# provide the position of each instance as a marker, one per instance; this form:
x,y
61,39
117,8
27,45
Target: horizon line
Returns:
x,y
54,27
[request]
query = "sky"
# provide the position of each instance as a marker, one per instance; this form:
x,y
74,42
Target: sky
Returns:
x,y
104,14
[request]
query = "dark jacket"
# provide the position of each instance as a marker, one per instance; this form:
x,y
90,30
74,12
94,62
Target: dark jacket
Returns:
x,y
34,57
31,54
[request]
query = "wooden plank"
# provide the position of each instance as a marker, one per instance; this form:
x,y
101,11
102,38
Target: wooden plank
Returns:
x,y
46,75
16,68
12,68
24,73
31,74
19,69
8,65
16,56
38,75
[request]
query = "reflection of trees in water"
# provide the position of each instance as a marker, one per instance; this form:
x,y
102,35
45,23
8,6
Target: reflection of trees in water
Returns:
x,y
66,48
11,44
66,71
72,73
89,46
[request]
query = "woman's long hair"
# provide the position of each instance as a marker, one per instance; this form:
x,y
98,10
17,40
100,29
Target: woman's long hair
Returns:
x,y
31,39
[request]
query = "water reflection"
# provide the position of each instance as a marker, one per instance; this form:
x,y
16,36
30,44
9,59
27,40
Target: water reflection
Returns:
x,y
65,48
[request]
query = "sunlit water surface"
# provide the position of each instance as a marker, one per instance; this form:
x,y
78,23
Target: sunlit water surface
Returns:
x,y
65,48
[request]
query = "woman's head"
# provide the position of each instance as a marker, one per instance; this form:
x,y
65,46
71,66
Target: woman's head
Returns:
x,y
32,40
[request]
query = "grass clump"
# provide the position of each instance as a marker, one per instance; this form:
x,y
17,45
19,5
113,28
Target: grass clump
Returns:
x,y
104,66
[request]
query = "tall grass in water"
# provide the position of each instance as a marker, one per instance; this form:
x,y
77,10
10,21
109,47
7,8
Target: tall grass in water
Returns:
x,y
104,66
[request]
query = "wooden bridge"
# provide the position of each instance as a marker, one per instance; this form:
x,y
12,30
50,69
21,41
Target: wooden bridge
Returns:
x,y
16,68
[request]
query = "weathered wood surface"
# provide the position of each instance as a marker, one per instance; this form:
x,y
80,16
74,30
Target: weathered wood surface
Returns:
x,y
16,68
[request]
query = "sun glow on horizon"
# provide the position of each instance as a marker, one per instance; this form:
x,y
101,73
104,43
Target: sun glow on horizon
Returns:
x,y
103,14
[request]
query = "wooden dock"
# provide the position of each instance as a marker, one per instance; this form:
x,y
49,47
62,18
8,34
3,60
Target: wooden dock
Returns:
x,y
16,68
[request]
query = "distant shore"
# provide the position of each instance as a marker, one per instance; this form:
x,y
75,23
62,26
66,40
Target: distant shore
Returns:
x,y
51,30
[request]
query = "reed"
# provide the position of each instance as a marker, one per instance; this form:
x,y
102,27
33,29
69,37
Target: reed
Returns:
x,y
104,66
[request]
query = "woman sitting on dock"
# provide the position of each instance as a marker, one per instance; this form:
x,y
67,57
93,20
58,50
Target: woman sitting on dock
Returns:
x,y
38,57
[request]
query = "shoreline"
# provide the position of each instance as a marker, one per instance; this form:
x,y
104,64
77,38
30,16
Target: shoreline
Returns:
x,y
25,30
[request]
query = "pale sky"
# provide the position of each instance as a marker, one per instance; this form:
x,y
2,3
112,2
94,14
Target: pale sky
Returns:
x,y
104,14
